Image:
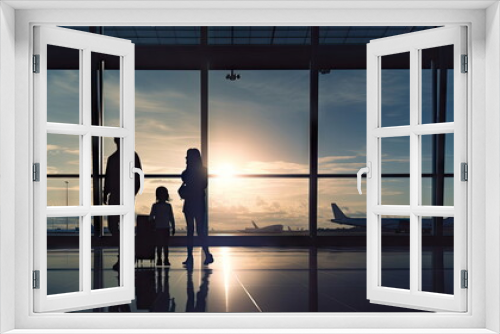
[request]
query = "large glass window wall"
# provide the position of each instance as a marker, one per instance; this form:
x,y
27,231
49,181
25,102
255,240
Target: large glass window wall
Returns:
x,y
255,126
282,131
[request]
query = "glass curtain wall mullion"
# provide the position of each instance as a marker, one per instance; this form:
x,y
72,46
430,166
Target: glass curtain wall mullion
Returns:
x,y
313,134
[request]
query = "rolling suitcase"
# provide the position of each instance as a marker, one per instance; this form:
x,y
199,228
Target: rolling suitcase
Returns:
x,y
144,240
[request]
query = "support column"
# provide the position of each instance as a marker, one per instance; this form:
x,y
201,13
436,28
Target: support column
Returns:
x,y
313,137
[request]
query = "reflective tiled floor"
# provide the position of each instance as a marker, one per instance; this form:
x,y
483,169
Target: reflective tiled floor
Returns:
x,y
242,279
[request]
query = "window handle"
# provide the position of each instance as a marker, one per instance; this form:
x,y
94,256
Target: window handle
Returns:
x,y
133,171
365,170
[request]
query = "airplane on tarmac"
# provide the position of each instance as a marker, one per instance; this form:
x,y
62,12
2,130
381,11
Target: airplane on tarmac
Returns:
x,y
388,224
265,229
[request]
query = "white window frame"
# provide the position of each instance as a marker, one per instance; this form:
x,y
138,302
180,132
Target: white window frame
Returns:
x,y
85,43
414,44
484,103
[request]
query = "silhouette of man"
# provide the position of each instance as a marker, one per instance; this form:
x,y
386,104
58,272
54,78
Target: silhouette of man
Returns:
x,y
111,194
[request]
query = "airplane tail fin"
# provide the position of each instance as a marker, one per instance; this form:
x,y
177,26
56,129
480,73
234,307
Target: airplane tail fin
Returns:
x,y
337,212
254,224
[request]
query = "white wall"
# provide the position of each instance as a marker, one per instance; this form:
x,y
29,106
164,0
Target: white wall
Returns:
x,y
492,161
7,159
23,219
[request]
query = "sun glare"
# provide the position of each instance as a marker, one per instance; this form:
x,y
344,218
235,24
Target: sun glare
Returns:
x,y
225,171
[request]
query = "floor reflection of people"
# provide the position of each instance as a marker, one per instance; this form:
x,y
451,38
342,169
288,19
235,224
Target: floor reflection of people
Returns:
x,y
200,303
111,195
163,301
121,307
193,191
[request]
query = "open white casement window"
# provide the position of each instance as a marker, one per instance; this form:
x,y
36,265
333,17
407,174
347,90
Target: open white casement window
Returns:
x,y
63,161
416,147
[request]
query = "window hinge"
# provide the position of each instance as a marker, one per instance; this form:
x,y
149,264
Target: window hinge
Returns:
x,y
36,172
36,279
36,63
465,64
465,279
464,171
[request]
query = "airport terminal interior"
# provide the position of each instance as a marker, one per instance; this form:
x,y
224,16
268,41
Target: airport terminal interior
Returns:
x,y
279,116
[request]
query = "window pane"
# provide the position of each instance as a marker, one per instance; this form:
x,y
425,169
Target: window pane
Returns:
x,y
259,124
395,160
111,95
437,169
167,119
342,121
63,170
341,210
63,85
258,206
106,87
106,173
437,254
437,85
395,252
105,253
63,257
395,92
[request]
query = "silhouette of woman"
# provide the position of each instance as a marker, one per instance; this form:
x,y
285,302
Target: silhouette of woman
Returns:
x,y
193,190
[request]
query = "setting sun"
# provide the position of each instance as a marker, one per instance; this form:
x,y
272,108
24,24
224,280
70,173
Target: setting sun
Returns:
x,y
225,170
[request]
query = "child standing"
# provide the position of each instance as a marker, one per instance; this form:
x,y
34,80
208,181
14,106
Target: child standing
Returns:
x,y
163,218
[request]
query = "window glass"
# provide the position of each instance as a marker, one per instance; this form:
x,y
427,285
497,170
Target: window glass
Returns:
x,y
395,252
167,119
63,169
63,263
437,169
259,123
395,90
342,121
341,209
396,161
437,254
263,206
63,85
105,253
437,85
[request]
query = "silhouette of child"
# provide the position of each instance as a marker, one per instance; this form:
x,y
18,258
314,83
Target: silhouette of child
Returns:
x,y
163,218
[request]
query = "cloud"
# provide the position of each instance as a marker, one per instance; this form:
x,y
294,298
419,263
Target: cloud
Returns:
x,y
336,158
275,167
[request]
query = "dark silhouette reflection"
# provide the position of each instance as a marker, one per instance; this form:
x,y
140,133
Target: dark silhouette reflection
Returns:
x,y
153,291
193,192
121,307
145,288
198,304
112,195
163,301
313,279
